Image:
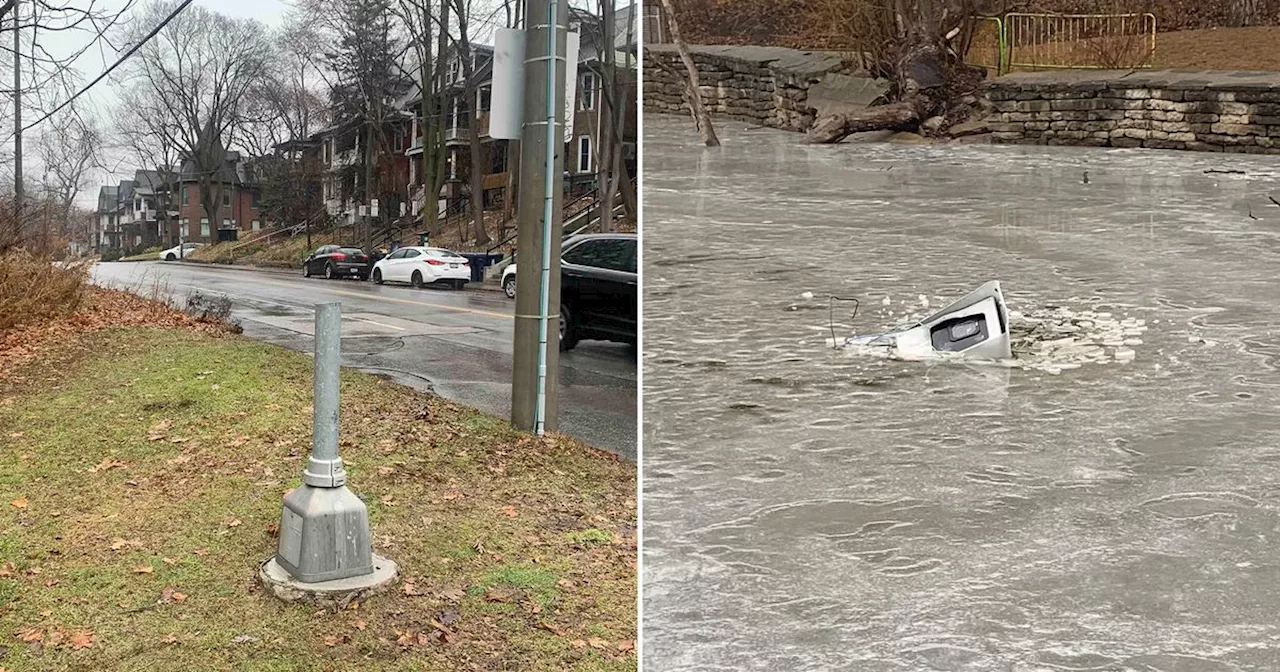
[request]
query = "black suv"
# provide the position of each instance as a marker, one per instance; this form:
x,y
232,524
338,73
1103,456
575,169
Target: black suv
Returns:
x,y
598,289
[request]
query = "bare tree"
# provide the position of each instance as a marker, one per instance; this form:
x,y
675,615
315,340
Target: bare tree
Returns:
x,y
201,69
424,24
700,116
465,54
69,150
366,78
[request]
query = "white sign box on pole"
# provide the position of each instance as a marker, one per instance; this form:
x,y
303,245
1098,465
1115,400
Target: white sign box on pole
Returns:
x,y
570,83
506,113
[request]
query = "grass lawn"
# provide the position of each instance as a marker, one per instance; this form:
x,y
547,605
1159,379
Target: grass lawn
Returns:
x,y
141,478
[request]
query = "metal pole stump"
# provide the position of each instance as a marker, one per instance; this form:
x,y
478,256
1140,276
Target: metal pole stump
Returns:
x,y
325,554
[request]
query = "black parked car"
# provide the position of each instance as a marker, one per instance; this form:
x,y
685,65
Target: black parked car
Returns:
x,y
598,289
337,261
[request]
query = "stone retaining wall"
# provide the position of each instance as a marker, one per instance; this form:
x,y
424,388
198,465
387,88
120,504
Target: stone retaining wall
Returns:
x,y
763,85
1172,109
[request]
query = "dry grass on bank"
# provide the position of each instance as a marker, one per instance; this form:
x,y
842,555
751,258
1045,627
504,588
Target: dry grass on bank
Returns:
x,y
35,288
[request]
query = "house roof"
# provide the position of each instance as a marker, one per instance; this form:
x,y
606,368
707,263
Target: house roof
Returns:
x,y
233,170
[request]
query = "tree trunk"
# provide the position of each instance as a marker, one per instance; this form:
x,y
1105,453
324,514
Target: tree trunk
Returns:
x,y
477,171
513,182
900,116
691,84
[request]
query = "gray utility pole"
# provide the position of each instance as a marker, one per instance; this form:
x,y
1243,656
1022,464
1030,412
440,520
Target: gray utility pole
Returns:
x,y
325,552
536,354
17,121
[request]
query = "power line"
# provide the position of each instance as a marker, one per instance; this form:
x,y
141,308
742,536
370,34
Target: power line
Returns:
x,y
108,71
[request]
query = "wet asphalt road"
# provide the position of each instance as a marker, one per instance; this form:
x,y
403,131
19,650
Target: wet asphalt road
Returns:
x,y
454,343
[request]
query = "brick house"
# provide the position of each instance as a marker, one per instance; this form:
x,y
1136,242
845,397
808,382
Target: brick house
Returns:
x,y
236,197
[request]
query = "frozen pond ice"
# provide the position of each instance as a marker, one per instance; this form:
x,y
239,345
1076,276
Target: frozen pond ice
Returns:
x,y
1110,504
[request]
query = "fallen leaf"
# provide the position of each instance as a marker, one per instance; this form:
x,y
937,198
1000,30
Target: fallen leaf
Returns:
x,y
171,639
169,561
404,638
144,569
597,643
388,501
501,594
106,464
385,470
16,435
565,583
234,522
332,640
243,639
30,635
453,595
452,495
7,569
178,597
181,459
411,589
179,439
239,441
82,639
510,511
360,624
50,583
20,503
551,627
627,645
55,638
273,529
201,551
578,643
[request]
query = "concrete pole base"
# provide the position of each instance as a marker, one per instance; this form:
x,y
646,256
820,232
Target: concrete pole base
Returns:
x,y
335,594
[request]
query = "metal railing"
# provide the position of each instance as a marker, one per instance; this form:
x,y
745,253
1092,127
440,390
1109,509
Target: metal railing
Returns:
x,y
987,46
1084,41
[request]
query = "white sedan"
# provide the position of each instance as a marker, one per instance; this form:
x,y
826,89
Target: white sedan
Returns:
x,y
420,266
509,281
179,251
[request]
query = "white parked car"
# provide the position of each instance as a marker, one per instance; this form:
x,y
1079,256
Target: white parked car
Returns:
x,y
420,266
179,251
509,281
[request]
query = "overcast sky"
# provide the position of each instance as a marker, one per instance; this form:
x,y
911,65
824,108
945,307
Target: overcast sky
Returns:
x,y
104,98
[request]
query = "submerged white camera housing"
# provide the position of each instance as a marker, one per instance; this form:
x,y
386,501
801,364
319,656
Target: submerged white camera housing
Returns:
x,y
975,327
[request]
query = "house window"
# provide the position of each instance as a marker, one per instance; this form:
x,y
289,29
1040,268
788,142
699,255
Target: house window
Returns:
x,y
584,154
328,152
253,199
497,158
455,69
588,91
257,226
186,227
654,29
204,227
226,197
186,196
483,99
